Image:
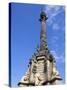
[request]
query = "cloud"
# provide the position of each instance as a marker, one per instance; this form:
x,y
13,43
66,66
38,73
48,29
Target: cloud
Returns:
x,y
52,11
54,20
54,41
59,58
56,26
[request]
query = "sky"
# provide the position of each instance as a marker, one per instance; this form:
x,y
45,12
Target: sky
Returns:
x,y
25,36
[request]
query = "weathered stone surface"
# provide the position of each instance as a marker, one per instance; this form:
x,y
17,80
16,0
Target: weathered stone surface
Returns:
x,y
42,69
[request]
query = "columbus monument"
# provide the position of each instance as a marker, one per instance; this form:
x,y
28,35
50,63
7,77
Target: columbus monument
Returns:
x,y
42,66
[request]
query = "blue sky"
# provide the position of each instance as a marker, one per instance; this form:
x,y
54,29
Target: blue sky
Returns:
x,y
25,36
